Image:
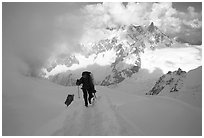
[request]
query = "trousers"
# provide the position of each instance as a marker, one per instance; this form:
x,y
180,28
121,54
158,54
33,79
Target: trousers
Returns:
x,y
87,94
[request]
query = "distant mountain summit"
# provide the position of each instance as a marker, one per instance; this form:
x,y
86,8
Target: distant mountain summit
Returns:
x,y
128,49
151,27
125,43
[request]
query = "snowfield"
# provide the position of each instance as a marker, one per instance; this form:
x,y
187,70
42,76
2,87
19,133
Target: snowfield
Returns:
x,y
192,90
135,53
32,106
40,110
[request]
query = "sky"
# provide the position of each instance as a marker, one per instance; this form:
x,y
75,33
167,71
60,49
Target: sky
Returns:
x,y
182,6
36,32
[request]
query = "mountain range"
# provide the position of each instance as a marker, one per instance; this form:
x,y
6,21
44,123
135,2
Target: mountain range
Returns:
x,y
125,44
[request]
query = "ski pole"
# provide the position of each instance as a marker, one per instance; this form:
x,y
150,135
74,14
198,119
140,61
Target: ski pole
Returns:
x,y
78,92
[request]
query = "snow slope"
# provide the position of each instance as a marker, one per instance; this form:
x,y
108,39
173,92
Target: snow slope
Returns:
x,y
32,103
140,82
37,108
31,106
27,102
191,92
117,113
181,85
99,119
158,62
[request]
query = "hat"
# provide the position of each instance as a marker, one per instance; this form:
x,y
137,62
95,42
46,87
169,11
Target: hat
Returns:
x,y
86,73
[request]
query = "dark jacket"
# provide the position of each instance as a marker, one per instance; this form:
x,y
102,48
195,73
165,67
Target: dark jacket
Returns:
x,y
86,83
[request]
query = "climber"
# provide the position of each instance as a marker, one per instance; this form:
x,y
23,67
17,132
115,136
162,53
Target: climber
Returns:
x,y
87,86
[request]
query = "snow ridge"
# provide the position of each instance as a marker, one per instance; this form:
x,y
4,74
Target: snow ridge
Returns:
x,y
186,87
171,82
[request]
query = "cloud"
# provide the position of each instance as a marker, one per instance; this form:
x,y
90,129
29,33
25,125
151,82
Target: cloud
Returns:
x,y
167,18
34,32
189,58
96,18
163,15
195,23
191,26
40,32
192,19
27,38
113,14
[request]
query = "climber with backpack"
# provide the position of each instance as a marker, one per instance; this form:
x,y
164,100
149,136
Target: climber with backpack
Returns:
x,y
87,86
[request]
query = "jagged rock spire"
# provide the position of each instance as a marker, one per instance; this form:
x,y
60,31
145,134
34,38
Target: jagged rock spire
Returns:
x,y
126,44
151,27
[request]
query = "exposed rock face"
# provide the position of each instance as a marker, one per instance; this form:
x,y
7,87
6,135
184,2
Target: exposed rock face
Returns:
x,y
129,48
126,42
170,82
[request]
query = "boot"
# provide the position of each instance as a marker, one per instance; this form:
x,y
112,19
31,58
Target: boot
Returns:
x,y
86,103
90,100
90,96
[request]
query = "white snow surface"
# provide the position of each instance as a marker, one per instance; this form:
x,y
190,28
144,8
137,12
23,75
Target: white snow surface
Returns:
x,y
31,106
191,92
37,108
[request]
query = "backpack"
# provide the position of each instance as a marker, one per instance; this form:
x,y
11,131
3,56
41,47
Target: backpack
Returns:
x,y
90,78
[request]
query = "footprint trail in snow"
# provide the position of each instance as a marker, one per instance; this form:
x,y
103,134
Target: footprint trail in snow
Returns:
x,y
100,119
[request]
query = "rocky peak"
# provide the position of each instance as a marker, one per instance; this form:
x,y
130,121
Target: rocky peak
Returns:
x,y
151,27
170,82
127,43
